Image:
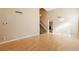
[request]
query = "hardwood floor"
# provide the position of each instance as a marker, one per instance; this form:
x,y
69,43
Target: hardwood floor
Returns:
x,y
44,42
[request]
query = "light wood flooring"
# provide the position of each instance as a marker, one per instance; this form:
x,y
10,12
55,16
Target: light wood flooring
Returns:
x,y
44,42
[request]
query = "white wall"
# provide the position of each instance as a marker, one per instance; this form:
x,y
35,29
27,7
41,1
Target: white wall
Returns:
x,y
70,24
20,25
78,21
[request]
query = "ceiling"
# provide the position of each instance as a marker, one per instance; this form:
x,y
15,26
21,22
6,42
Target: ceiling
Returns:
x,y
49,9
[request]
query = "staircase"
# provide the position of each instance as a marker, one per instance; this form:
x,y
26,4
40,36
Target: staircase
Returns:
x,y
42,30
42,25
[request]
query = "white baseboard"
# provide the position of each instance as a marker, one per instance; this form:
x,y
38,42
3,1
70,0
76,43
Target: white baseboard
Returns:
x,y
18,38
68,35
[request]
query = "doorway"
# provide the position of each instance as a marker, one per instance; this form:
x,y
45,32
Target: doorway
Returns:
x,y
50,26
